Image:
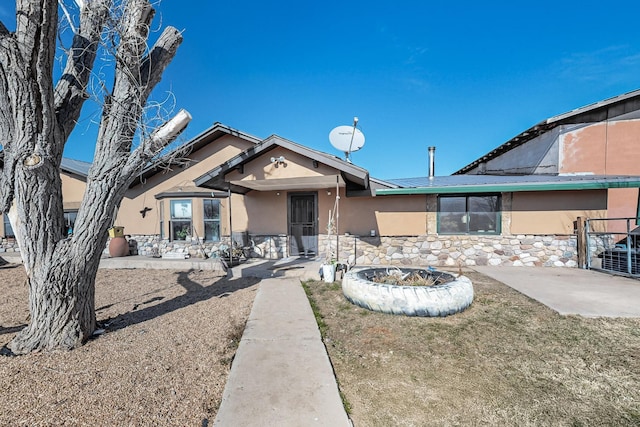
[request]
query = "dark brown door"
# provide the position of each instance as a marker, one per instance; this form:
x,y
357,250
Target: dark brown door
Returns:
x,y
303,224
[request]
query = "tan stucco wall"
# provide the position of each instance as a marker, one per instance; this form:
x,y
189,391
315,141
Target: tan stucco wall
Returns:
x,y
605,148
388,216
584,150
611,148
202,161
623,147
295,166
554,212
72,190
267,212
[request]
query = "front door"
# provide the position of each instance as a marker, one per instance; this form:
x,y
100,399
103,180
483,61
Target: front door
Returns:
x,y
303,224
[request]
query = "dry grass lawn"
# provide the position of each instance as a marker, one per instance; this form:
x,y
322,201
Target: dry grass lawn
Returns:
x,y
163,361
507,360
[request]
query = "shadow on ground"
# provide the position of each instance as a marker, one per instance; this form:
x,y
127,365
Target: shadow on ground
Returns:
x,y
195,293
270,268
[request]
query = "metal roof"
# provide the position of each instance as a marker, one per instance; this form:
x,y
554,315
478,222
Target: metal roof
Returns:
x,y
77,167
458,184
598,111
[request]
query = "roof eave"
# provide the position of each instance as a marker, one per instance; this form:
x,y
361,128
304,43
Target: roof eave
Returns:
x,y
214,179
510,188
215,132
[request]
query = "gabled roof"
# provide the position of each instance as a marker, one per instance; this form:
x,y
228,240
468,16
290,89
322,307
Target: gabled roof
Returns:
x,y
596,112
215,132
461,184
355,178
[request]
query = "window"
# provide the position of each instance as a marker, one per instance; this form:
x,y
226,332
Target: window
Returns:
x,y
469,214
69,222
180,219
211,219
8,230
161,219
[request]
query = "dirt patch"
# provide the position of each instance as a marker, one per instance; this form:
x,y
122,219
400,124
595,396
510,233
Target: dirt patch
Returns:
x,y
506,360
163,360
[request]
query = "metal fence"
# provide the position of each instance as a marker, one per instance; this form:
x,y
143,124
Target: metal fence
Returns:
x,y
613,245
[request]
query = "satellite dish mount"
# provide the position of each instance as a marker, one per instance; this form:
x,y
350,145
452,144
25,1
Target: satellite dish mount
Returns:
x,y
347,139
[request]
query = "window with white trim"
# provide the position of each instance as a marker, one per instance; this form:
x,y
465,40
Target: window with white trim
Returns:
x,y
181,219
211,219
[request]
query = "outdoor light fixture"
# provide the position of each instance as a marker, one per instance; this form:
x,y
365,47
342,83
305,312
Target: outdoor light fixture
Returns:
x,y
277,161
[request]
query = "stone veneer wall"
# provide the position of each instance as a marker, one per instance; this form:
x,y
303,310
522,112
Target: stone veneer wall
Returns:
x,y
520,250
8,245
269,247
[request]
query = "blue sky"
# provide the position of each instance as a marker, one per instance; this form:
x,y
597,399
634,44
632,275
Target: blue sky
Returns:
x,y
463,76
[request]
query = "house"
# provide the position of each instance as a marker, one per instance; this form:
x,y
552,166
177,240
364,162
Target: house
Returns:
x,y
517,205
599,139
163,204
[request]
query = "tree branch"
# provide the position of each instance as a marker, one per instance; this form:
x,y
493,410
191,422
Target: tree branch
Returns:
x,y
134,82
70,92
36,29
162,53
158,141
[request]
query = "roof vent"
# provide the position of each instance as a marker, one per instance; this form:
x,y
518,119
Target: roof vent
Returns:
x,y
432,162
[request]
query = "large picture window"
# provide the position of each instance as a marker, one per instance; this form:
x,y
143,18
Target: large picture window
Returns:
x,y
180,219
211,220
478,214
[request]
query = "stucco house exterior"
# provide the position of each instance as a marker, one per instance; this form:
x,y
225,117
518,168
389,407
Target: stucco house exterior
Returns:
x,y
517,205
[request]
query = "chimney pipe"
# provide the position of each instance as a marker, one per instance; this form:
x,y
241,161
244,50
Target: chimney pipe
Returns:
x,y
432,162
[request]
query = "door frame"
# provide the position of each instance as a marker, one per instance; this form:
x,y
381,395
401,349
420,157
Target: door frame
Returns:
x,y
290,236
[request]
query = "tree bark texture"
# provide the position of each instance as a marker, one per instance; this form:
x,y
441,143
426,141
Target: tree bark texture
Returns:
x,y
36,118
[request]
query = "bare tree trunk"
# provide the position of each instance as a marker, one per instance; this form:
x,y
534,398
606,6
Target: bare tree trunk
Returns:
x,y
62,306
36,120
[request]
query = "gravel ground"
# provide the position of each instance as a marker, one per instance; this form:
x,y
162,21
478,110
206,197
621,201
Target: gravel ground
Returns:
x,y
163,360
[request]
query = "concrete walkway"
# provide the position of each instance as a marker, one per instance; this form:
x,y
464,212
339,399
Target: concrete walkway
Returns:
x,y
281,374
572,290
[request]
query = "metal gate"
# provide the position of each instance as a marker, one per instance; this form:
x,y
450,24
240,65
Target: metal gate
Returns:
x,y
303,224
613,245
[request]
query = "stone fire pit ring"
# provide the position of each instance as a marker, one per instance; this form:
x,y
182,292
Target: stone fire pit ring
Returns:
x,y
449,295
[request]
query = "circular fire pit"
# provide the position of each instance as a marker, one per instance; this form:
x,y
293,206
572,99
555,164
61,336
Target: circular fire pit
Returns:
x,y
448,294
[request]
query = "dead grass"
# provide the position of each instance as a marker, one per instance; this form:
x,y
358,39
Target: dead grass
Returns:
x,y
507,360
396,277
163,361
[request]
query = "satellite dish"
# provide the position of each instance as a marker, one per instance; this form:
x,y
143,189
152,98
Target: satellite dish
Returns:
x,y
347,138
